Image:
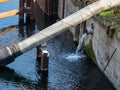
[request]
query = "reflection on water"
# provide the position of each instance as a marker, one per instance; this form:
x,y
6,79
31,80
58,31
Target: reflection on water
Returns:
x,y
67,70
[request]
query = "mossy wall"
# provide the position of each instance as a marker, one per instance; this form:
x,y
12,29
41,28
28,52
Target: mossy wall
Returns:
x,y
89,50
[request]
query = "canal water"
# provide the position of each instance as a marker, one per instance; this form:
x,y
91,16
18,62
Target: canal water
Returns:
x,y
67,70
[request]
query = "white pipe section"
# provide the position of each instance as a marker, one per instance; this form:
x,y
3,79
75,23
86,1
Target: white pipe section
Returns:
x,y
67,22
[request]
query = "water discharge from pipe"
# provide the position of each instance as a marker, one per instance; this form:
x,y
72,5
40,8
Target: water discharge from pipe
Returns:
x,y
79,50
81,43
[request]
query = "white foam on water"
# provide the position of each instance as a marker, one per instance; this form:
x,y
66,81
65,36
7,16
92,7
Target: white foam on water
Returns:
x,y
74,57
78,53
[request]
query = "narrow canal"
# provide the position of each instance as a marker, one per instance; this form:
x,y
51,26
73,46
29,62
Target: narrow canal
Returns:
x,y
67,70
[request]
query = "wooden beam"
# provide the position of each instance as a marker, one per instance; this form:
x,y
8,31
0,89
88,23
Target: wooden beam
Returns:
x,y
2,1
9,13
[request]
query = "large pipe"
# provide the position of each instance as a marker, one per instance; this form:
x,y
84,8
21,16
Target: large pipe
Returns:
x,y
8,54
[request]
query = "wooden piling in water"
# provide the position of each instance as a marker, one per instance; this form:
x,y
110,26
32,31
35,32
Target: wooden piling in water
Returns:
x,y
43,60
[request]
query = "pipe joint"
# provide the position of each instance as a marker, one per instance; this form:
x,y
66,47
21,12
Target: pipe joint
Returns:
x,y
6,56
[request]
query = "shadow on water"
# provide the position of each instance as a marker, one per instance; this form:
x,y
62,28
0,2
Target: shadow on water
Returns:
x,y
9,76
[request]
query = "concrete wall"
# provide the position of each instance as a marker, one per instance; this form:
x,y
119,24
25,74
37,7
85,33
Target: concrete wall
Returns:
x,y
104,47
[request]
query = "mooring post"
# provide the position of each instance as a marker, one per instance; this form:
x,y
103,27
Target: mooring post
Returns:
x,y
21,13
42,60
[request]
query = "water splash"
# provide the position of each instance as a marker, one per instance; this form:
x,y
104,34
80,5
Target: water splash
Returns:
x,y
81,43
74,57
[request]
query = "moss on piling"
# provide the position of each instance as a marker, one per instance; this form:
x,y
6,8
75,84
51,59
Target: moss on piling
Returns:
x,y
90,52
